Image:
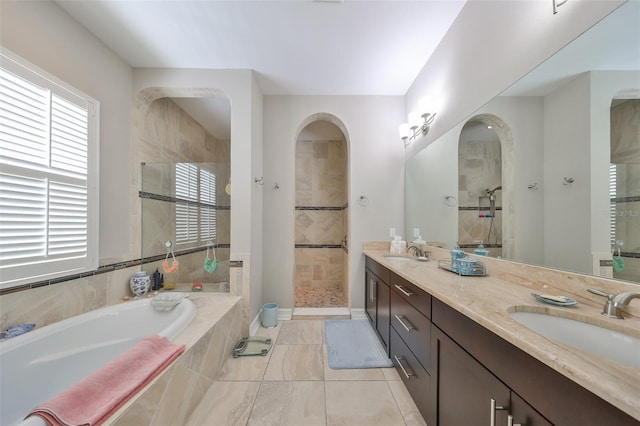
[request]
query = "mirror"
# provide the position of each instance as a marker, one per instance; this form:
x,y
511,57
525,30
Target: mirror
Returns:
x,y
554,129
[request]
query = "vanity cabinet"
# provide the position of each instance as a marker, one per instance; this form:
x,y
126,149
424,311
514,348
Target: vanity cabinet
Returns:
x,y
469,394
377,299
470,360
411,342
454,368
410,317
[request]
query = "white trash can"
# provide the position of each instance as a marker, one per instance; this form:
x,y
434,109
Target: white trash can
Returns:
x,y
269,315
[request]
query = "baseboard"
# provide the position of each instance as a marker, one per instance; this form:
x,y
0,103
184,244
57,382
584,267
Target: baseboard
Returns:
x,y
284,314
358,314
255,324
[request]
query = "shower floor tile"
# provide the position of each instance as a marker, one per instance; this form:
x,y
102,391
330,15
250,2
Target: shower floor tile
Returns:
x,y
314,297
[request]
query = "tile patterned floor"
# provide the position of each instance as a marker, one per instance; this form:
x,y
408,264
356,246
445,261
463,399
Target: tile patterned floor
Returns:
x,y
294,386
315,297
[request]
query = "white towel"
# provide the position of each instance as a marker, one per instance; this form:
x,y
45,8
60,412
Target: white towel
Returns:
x,y
167,301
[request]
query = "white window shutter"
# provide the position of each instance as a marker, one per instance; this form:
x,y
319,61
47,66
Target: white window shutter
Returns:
x,y
48,176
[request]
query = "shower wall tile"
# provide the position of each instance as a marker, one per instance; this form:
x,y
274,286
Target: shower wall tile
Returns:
x,y
320,169
319,267
319,227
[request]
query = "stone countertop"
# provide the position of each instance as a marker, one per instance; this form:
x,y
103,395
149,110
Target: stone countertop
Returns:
x,y
508,287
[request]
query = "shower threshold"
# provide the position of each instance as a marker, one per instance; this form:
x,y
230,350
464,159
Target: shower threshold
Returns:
x,y
321,313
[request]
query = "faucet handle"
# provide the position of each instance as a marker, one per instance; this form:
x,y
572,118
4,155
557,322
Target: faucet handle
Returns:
x,y
600,293
610,308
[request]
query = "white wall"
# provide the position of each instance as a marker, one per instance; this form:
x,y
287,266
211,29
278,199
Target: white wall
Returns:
x,y
434,174
46,36
567,154
489,46
376,170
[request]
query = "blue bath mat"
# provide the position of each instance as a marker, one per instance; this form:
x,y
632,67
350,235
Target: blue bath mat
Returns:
x,y
354,344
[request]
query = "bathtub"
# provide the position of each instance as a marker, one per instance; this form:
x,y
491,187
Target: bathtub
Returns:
x,y
38,365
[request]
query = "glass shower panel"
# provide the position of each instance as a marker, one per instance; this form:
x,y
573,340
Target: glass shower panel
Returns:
x,y
186,213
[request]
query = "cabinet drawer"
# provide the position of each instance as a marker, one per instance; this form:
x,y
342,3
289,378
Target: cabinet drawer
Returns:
x,y
415,378
379,270
419,298
413,328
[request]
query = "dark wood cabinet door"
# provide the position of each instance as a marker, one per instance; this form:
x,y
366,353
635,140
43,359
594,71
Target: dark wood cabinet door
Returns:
x,y
465,388
384,308
524,414
370,294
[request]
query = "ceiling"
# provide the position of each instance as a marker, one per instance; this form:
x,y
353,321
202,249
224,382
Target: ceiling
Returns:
x,y
295,47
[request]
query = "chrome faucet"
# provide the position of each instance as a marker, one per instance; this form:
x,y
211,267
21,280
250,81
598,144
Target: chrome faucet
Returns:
x,y
615,303
417,251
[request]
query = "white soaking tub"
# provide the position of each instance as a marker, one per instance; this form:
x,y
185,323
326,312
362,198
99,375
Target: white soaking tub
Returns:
x,y
38,365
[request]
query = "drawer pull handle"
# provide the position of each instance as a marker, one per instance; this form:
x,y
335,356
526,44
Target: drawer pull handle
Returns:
x,y
406,327
405,292
510,421
399,360
494,407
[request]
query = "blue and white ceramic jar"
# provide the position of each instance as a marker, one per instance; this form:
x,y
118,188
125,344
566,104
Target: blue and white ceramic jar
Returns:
x,y
140,283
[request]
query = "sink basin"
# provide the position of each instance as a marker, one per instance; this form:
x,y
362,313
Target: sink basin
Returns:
x,y
400,256
600,341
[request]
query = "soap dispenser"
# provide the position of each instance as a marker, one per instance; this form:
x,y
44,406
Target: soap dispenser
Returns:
x,y
481,251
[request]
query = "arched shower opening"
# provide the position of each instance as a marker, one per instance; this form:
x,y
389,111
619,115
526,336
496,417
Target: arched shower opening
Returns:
x,y
485,186
321,215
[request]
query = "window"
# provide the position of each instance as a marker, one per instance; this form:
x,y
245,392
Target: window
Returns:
x,y
613,210
48,176
195,208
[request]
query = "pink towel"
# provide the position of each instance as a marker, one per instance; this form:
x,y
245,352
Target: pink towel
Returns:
x,y
92,400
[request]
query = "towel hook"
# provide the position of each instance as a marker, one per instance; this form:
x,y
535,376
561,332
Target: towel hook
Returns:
x,y
450,200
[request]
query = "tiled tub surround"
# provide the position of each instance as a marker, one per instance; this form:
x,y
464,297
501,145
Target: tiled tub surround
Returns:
x,y
487,301
171,397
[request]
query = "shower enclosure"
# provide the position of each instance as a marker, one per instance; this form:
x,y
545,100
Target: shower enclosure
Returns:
x,y
321,212
480,214
185,223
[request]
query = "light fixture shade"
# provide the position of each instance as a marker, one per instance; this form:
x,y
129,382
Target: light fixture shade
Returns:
x,y
404,131
414,120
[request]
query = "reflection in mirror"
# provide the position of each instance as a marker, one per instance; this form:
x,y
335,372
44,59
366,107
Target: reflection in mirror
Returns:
x,y
480,188
555,123
184,197
624,184
186,204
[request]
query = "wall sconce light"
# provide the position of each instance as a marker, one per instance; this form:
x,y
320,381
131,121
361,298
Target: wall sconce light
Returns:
x,y
557,4
418,125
